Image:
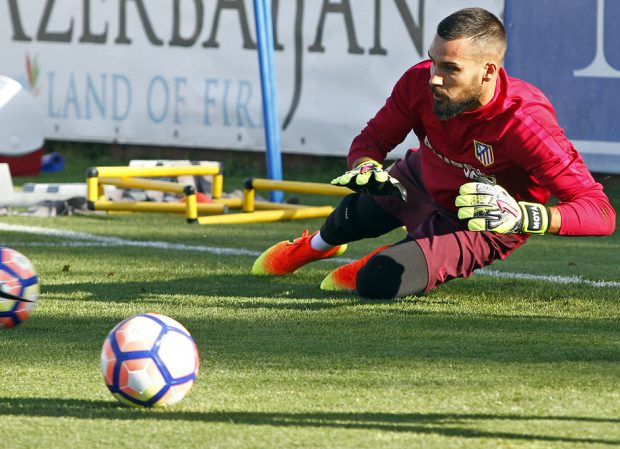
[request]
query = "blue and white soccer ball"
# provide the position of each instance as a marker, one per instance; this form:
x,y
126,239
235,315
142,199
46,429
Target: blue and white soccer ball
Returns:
x,y
149,360
18,279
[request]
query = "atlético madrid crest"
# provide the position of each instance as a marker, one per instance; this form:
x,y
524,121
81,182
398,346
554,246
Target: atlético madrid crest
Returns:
x,y
484,153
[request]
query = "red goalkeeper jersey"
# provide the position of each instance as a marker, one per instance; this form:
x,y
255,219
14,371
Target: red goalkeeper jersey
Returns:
x,y
514,139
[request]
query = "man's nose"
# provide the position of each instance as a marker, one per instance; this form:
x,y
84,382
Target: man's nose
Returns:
x,y
436,80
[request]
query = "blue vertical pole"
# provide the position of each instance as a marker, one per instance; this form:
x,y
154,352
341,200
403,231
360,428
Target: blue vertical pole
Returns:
x,y
271,123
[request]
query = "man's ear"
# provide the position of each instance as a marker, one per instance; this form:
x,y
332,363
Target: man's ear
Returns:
x,y
490,70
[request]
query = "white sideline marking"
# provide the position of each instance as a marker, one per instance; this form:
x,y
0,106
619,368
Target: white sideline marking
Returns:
x,y
86,239
546,278
83,239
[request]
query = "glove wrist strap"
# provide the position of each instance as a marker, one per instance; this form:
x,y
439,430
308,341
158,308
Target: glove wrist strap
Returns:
x,y
369,164
535,218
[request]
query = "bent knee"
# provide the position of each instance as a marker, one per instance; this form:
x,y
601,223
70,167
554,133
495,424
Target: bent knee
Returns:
x,y
383,277
380,278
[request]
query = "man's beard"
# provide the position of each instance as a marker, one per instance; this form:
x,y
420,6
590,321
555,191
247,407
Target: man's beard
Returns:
x,y
451,108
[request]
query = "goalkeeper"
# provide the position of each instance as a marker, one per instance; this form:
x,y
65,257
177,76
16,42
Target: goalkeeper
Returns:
x,y
491,154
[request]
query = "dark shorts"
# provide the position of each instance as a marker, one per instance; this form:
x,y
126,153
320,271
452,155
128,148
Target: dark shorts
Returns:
x,y
451,251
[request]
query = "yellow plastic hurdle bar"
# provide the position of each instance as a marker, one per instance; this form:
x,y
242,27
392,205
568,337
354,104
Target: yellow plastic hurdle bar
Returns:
x,y
123,177
280,212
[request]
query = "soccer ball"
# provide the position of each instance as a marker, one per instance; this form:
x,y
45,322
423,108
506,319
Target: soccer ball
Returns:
x,y
149,360
17,278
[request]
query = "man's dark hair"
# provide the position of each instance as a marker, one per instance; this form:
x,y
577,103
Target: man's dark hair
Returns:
x,y
484,29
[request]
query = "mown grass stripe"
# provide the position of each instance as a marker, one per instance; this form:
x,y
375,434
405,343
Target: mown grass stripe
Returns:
x,y
83,239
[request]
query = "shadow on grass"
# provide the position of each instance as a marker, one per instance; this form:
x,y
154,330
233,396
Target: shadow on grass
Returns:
x,y
333,332
277,292
460,425
294,292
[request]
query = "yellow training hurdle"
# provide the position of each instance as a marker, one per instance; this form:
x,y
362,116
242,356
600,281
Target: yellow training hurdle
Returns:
x,y
315,188
268,215
263,211
131,178
253,211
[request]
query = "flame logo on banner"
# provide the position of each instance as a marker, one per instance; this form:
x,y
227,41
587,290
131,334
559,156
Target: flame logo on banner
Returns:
x,y
32,72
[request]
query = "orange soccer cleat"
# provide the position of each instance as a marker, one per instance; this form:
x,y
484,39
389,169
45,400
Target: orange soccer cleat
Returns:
x,y
287,256
343,278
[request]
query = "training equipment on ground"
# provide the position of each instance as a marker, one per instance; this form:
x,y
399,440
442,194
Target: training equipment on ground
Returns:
x,y
287,256
489,207
188,175
19,288
140,177
32,194
134,178
265,211
369,177
149,360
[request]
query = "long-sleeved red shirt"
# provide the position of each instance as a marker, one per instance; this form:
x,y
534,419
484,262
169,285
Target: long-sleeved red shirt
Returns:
x,y
515,138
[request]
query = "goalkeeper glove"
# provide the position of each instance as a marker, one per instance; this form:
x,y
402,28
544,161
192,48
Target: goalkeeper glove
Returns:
x,y
489,207
369,177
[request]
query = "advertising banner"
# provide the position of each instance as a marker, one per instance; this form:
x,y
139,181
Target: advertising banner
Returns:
x,y
571,51
185,72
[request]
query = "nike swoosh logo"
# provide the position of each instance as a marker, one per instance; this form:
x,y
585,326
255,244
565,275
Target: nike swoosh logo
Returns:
x,y
505,207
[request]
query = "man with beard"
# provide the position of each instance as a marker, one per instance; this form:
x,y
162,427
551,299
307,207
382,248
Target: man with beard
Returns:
x,y
491,155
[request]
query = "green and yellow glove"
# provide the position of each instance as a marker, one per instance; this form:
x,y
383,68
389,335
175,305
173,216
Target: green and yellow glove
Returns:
x,y
369,177
490,207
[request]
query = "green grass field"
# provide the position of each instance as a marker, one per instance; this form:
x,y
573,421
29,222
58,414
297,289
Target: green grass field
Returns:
x,y
487,362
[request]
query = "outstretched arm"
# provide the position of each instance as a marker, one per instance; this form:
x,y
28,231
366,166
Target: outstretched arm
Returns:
x,y
393,122
541,148
583,208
